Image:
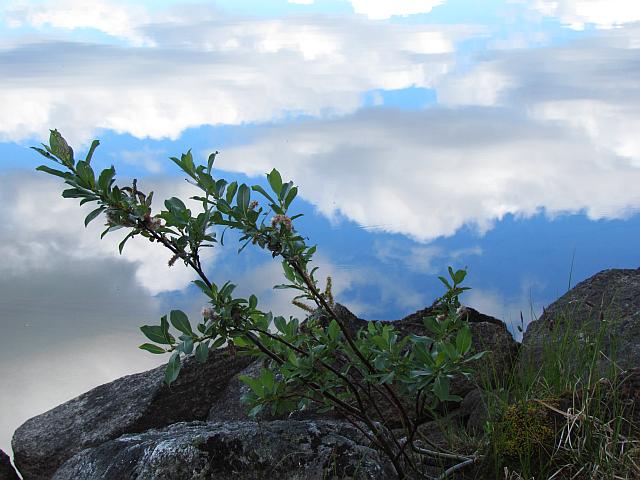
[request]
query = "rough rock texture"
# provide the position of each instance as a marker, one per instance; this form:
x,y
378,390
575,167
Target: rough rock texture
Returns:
x,y
287,450
228,406
133,403
611,295
474,411
7,472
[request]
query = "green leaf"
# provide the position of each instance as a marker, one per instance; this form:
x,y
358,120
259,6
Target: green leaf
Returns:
x,y
93,215
104,180
124,240
253,301
459,276
186,346
371,327
285,190
275,180
259,189
255,410
288,271
205,289
450,350
174,204
75,193
388,378
476,356
463,339
254,384
281,324
187,161
164,326
244,197
149,347
432,325
290,196
52,171
173,369
180,321
92,149
60,148
333,330
231,191
202,352
156,334
44,153
110,229
210,160
441,388
446,282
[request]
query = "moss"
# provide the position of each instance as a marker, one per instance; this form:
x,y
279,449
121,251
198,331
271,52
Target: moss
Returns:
x,y
526,428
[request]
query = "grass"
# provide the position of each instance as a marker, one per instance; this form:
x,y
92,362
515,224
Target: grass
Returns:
x,y
562,417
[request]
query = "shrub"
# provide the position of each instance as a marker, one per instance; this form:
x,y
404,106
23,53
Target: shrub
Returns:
x,y
369,378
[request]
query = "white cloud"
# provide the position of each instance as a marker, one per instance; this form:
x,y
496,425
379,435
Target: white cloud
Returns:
x,y
426,174
589,85
42,227
118,19
210,71
576,14
383,9
483,87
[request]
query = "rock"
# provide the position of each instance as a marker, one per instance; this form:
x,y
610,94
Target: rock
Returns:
x,y
287,450
474,411
612,296
7,472
228,406
130,404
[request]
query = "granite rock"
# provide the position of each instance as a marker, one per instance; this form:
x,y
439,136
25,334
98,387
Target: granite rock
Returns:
x,y
608,299
130,404
7,472
284,450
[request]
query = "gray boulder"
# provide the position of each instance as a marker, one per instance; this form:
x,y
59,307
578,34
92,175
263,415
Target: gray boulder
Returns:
x,y
7,472
287,450
609,299
228,406
130,404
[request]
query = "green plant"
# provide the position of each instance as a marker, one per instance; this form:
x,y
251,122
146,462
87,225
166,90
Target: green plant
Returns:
x,y
563,416
370,378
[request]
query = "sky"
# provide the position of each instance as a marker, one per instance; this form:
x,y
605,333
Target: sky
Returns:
x,y
500,136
